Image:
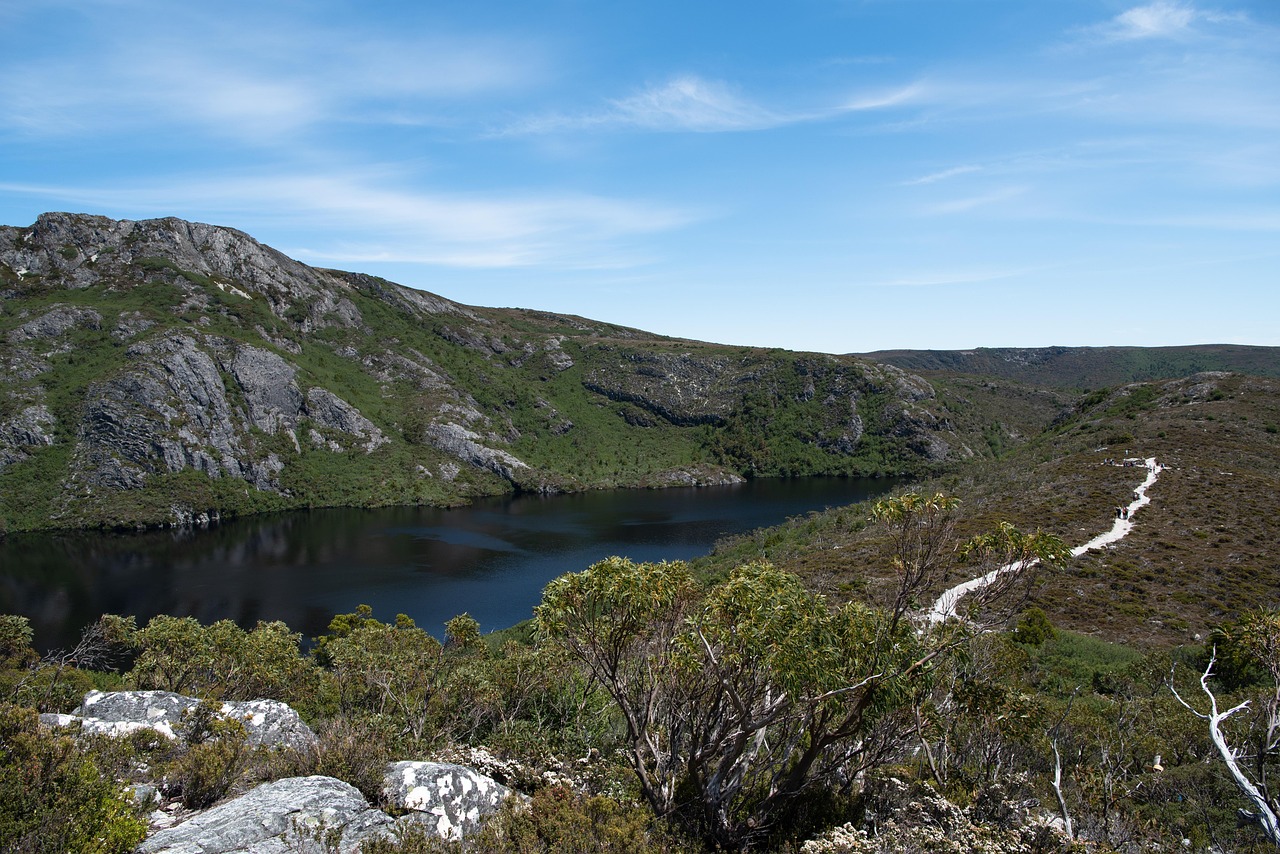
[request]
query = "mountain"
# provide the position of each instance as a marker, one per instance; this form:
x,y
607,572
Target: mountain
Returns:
x,y
1086,367
169,372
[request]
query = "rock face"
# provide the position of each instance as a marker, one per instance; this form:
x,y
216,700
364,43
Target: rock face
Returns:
x,y
172,409
297,814
451,799
31,427
268,723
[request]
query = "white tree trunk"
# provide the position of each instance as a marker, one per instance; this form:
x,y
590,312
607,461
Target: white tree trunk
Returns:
x,y
1266,812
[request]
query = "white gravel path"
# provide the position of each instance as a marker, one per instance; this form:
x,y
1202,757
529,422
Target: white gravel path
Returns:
x,y
945,606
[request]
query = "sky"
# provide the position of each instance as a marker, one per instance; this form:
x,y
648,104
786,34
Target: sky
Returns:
x,y
823,175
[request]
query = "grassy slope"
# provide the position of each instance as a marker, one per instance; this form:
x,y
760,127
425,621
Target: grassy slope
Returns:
x,y
1203,551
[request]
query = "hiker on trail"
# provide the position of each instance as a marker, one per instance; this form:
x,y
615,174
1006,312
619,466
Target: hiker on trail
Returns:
x,y
1119,512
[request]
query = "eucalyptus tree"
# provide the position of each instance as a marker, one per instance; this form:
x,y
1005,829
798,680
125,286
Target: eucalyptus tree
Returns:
x,y
739,698
1256,640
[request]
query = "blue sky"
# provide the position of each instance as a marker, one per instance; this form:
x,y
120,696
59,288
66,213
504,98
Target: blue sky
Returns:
x,y
830,175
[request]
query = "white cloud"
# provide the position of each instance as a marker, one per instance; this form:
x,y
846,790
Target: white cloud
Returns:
x,y
366,221
236,76
690,103
1162,19
686,103
951,277
879,100
969,203
934,177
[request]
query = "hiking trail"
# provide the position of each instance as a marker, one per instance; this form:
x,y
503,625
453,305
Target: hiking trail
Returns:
x,y
945,606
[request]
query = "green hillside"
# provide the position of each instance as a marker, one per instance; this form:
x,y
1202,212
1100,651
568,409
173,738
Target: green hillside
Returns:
x,y
1087,367
166,372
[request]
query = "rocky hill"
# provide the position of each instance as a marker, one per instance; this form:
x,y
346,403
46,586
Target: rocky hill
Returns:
x,y
168,372
1087,367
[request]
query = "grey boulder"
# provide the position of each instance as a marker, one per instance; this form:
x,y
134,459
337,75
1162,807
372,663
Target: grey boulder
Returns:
x,y
450,799
297,814
268,723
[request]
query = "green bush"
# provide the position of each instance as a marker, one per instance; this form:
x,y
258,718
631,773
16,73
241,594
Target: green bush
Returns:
x,y
1033,628
53,797
216,756
222,661
355,750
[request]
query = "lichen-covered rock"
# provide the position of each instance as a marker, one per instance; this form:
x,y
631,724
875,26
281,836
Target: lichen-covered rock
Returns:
x,y
268,723
450,799
297,814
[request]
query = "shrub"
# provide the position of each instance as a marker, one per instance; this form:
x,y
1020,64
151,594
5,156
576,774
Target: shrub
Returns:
x,y
222,661
217,754
1034,628
53,797
355,751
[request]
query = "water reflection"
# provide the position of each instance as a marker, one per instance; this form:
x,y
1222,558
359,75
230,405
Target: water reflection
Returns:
x,y
491,559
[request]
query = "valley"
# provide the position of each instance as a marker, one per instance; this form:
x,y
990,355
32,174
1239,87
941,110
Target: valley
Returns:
x,y
163,377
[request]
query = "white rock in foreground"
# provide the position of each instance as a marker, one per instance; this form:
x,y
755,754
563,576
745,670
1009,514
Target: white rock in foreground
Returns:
x,y
450,798
268,723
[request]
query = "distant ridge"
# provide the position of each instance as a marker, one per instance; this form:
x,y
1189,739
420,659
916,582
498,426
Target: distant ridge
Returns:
x,y
1087,367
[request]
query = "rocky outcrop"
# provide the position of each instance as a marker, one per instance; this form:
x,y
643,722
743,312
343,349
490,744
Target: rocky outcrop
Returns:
x,y
296,814
695,476
467,445
31,427
267,723
682,388
450,799
56,323
172,409
322,814
332,412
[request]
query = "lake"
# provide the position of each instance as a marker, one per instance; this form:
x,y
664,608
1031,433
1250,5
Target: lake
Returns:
x,y
490,559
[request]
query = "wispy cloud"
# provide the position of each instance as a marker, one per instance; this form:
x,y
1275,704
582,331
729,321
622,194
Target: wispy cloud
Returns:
x,y
951,277
692,104
1161,19
968,203
366,221
166,67
934,177
892,97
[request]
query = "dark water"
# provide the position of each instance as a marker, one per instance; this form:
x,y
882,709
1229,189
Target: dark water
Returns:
x,y
491,559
